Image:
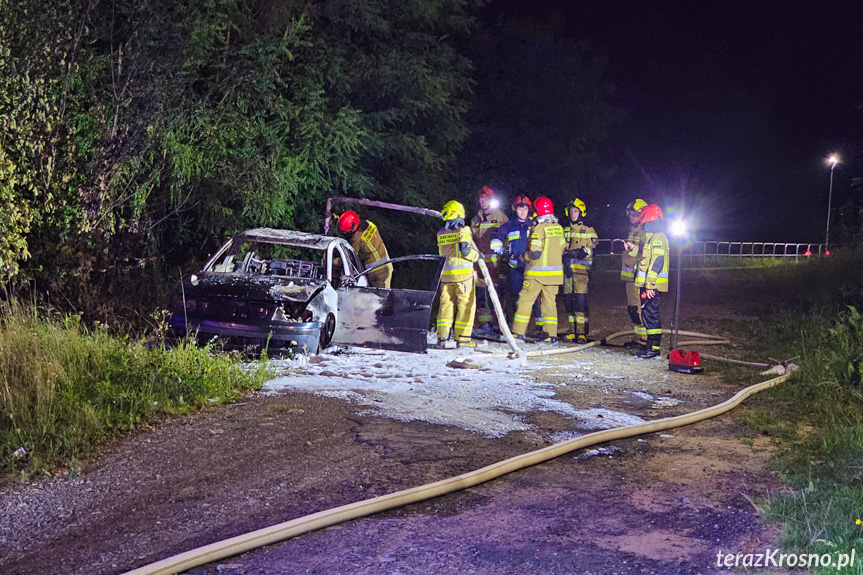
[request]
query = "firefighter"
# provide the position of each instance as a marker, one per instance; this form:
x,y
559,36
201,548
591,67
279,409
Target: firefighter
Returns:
x,y
483,226
510,242
543,273
364,237
581,240
651,276
458,291
629,259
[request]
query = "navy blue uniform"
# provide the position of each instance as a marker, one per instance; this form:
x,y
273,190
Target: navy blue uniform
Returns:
x,y
514,234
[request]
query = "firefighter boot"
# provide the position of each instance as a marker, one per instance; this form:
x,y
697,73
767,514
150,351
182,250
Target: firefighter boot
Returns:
x,y
639,340
652,351
571,335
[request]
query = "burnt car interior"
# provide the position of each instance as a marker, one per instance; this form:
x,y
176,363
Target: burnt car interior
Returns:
x,y
265,258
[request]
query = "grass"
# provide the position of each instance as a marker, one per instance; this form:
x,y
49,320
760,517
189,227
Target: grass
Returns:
x,y
816,417
65,389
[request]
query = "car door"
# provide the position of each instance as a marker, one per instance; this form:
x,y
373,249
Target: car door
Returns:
x,y
393,319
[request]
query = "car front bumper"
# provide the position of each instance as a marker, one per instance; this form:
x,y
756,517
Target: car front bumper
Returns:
x,y
275,335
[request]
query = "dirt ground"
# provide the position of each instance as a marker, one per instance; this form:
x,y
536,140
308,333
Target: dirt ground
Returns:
x,y
664,504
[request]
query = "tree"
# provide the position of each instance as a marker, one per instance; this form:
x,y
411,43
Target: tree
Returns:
x,y
151,129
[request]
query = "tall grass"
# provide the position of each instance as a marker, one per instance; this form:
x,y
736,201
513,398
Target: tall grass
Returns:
x,y
65,389
823,461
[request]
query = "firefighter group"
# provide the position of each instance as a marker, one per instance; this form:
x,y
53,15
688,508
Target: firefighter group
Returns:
x,y
529,258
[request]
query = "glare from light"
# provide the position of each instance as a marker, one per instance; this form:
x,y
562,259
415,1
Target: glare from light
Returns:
x,y
833,160
494,203
827,253
678,228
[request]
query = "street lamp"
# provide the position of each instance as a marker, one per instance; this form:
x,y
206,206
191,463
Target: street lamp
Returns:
x,y
678,229
832,160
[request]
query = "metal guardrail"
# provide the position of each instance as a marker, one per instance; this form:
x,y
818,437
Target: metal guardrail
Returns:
x,y
696,253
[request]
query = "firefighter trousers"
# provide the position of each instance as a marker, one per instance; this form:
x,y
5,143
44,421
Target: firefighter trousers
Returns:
x,y
457,301
652,320
633,306
531,289
575,301
514,283
484,309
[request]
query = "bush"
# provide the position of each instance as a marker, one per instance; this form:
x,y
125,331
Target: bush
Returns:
x,y
64,389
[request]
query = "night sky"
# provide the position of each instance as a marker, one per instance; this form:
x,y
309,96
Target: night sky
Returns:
x,y
731,107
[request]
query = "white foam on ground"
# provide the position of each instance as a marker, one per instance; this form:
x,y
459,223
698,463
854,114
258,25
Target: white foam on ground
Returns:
x,y
420,387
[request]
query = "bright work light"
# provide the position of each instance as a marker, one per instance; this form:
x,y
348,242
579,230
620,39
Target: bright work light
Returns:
x,y
678,228
494,203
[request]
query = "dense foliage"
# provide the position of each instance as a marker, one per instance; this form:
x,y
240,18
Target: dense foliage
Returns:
x,y
134,134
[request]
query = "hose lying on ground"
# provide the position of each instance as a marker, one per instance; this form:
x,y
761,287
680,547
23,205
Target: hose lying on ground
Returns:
x,y
321,519
708,340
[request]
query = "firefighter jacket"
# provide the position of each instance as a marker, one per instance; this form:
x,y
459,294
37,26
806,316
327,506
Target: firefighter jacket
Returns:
x,y
629,259
370,248
581,239
514,234
460,251
652,271
547,238
483,226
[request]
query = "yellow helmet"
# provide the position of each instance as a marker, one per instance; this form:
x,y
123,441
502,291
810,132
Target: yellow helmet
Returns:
x,y
452,210
636,206
576,203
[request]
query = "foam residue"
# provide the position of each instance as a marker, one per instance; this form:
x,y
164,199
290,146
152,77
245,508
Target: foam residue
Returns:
x,y
491,400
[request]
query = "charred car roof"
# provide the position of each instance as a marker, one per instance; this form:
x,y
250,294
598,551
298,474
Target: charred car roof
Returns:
x,y
289,237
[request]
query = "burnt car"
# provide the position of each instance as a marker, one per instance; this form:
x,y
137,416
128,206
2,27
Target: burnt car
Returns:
x,y
292,290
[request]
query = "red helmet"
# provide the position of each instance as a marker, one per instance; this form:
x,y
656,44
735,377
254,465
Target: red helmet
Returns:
x,y
651,212
349,222
485,192
521,200
543,206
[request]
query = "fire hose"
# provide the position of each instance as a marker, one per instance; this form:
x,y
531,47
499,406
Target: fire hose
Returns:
x,y
301,525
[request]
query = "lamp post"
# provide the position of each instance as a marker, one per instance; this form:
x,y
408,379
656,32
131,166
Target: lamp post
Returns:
x,y
832,160
678,230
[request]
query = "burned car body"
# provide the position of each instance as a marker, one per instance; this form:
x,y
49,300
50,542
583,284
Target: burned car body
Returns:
x,y
293,290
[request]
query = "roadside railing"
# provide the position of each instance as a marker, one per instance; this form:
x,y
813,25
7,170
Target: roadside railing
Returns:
x,y
703,253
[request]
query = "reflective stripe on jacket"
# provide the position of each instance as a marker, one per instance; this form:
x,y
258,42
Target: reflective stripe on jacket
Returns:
x,y
652,272
546,237
370,248
458,268
581,236
629,259
514,234
484,226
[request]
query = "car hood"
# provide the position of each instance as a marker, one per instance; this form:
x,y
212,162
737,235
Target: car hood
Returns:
x,y
259,288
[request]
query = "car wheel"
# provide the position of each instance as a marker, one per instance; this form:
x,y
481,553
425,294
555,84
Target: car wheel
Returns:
x,y
327,332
